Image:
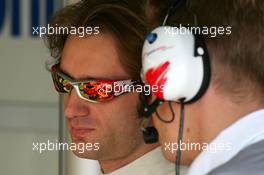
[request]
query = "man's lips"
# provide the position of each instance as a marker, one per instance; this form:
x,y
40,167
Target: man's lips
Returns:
x,y
81,127
81,132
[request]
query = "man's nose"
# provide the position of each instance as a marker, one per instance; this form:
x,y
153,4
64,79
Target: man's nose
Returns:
x,y
74,106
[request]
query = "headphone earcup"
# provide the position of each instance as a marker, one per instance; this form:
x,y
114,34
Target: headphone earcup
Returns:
x,y
178,64
150,135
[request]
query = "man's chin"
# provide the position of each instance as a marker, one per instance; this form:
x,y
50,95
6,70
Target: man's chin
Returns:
x,y
85,149
93,155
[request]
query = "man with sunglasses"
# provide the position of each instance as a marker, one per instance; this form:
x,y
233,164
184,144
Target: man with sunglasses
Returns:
x,y
95,74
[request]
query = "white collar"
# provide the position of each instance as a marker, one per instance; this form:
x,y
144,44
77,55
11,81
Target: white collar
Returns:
x,y
152,162
246,131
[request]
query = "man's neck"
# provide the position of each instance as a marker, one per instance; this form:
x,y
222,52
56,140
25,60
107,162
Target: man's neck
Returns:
x,y
109,166
222,114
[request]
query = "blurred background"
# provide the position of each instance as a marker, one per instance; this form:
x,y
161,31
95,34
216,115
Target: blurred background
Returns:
x,y
29,107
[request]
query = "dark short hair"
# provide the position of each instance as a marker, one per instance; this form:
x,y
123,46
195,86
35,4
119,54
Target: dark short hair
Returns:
x,y
122,19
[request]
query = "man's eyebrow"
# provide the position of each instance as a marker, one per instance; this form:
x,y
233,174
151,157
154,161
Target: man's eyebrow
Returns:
x,y
87,77
81,78
65,73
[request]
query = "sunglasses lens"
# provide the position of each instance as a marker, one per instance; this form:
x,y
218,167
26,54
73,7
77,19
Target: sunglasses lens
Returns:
x,y
96,91
61,84
92,90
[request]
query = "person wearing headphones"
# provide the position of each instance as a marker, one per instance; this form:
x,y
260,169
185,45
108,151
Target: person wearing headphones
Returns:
x,y
208,108
89,69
